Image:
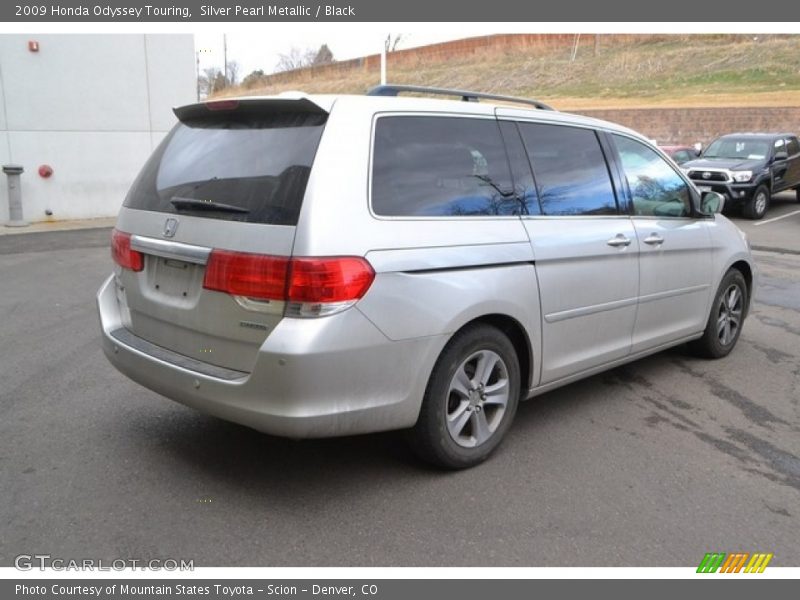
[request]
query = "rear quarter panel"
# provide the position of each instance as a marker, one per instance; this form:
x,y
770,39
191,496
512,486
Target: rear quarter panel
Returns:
x,y
433,275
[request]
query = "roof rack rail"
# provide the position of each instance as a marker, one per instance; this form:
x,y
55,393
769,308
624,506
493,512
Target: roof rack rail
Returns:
x,y
466,96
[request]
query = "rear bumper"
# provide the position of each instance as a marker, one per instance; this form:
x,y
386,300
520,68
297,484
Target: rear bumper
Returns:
x,y
322,377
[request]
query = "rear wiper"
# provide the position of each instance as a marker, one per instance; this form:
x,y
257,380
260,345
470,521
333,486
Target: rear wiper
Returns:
x,y
198,204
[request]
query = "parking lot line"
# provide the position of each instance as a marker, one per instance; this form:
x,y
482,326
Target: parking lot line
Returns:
x,y
794,212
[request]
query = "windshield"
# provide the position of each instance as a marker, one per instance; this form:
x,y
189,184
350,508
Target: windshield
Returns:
x,y
252,169
737,148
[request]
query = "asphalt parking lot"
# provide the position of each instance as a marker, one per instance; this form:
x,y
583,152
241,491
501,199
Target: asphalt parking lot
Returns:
x,y
652,464
779,230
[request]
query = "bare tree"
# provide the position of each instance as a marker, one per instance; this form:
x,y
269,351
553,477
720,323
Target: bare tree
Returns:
x,y
323,56
233,72
253,79
212,80
205,83
219,83
297,58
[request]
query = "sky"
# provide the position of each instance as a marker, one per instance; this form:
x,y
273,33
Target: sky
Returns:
x,y
262,50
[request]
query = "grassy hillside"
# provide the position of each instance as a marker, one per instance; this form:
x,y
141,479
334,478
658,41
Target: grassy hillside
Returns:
x,y
683,70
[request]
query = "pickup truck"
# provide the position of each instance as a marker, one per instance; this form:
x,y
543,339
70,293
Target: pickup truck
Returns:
x,y
748,168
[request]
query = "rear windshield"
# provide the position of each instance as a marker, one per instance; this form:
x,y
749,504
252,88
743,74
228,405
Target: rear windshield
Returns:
x,y
239,168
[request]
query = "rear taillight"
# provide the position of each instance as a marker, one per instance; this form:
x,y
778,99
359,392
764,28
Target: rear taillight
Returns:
x,y
121,251
340,279
249,275
308,286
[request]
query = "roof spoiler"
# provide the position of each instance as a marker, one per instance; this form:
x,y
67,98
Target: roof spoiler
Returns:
x,y
286,103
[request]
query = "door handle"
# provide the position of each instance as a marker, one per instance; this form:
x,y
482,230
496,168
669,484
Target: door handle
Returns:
x,y
620,241
654,239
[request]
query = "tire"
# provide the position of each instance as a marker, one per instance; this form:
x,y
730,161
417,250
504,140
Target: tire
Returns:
x,y
757,206
724,325
797,194
460,424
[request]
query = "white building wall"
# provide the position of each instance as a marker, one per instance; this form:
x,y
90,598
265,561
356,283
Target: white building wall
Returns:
x,y
93,107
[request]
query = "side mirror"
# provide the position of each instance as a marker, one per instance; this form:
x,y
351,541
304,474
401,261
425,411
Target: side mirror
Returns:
x,y
781,155
712,202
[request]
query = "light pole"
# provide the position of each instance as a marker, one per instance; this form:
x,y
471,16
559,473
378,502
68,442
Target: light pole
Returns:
x,y
197,60
383,58
197,76
225,57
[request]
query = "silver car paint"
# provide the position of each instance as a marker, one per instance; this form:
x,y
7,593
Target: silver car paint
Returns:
x,y
587,288
336,375
577,299
674,279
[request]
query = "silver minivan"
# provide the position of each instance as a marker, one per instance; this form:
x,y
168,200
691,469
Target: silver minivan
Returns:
x,y
316,266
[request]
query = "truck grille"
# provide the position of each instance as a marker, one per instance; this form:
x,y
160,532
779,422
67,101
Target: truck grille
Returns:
x,y
703,175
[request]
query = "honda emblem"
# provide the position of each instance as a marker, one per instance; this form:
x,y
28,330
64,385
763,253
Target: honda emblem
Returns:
x,y
170,227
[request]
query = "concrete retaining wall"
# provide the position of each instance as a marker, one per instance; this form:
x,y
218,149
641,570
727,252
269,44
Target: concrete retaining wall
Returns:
x,y
690,125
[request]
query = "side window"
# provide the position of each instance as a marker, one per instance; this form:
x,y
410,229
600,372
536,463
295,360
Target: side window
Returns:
x,y
570,170
792,146
656,189
440,166
524,185
681,156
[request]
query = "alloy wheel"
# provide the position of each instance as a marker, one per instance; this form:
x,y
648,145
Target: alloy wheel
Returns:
x,y
729,316
477,398
761,203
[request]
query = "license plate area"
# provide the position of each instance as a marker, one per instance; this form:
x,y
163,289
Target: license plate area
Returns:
x,y
172,279
705,188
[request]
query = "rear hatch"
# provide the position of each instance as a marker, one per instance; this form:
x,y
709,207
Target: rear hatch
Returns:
x,y
227,182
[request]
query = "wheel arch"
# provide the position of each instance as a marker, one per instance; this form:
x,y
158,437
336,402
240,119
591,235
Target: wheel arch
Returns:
x,y
747,272
519,338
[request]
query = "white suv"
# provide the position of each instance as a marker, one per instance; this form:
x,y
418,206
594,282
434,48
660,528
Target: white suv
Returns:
x,y
332,265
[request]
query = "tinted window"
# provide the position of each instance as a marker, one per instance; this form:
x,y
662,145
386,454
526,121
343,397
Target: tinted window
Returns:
x,y
440,166
656,189
792,146
258,165
524,186
570,170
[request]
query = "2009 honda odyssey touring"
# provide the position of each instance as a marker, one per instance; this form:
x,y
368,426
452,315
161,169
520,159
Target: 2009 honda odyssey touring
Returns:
x,y
317,266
